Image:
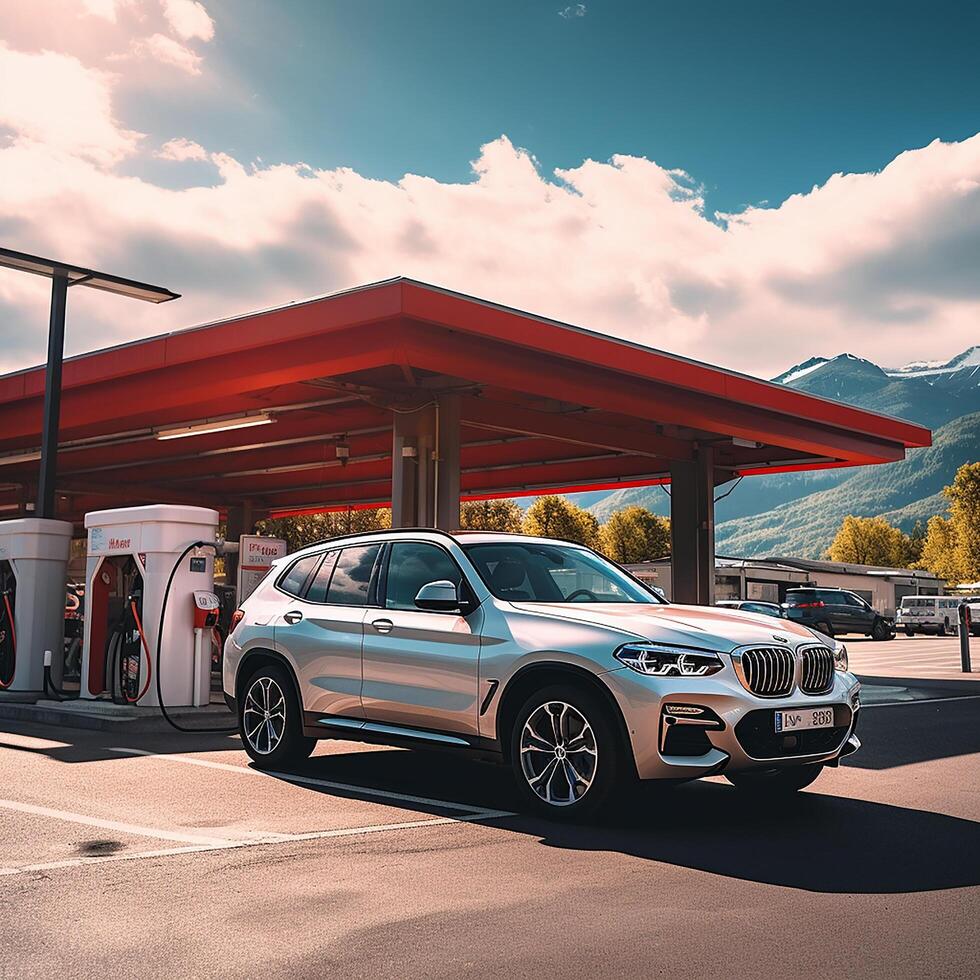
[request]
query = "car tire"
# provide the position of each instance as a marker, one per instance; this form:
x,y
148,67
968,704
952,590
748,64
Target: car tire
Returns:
x,y
270,721
880,631
910,632
944,628
776,782
824,628
566,754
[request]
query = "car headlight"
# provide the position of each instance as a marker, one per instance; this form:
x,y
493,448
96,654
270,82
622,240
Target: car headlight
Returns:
x,y
840,657
659,660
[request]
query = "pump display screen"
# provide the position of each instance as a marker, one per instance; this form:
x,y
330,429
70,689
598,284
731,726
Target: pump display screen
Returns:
x,y
198,564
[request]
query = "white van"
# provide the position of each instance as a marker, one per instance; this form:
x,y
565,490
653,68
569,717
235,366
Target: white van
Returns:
x,y
928,614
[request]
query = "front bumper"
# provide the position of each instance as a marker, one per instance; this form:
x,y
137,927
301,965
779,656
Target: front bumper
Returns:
x,y
734,733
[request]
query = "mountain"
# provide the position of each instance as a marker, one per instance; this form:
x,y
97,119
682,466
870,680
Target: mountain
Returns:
x,y
801,511
904,492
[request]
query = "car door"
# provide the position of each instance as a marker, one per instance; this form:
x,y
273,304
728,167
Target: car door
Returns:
x,y
421,668
322,630
837,611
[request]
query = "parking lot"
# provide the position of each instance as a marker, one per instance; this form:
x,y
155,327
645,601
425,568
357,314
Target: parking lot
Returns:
x,y
169,854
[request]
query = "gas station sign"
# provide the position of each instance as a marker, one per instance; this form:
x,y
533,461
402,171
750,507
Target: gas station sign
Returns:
x,y
255,557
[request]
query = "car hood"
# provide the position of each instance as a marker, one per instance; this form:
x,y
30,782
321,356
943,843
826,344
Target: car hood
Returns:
x,y
707,627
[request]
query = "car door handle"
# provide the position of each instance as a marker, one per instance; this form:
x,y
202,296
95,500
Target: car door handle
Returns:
x,y
383,625
293,617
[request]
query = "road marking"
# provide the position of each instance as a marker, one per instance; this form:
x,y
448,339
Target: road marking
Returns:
x,y
13,740
892,704
383,794
234,845
122,828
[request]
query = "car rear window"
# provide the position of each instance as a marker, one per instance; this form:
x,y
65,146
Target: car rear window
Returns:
x,y
911,602
804,595
295,580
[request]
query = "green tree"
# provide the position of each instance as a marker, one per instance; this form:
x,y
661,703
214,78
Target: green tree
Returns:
x,y
306,528
917,540
964,515
490,515
940,552
870,541
634,534
557,517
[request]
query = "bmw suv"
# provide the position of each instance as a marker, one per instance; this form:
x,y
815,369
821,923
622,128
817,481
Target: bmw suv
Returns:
x,y
538,653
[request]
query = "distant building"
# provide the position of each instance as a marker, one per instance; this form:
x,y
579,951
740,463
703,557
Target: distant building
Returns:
x,y
767,579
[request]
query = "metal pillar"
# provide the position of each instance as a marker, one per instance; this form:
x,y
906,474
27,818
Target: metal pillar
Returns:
x,y
52,398
425,471
692,528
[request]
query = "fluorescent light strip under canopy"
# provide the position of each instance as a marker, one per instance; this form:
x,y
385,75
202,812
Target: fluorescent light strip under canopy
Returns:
x,y
217,425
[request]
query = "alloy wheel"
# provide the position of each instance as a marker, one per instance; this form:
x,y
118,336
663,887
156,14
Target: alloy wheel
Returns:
x,y
264,715
558,753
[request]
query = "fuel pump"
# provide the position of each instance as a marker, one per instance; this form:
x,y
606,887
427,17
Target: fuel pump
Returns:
x,y
206,609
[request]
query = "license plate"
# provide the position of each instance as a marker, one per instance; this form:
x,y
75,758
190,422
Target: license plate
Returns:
x,y
796,721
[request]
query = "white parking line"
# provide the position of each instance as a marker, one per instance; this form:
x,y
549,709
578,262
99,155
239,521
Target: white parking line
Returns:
x,y
892,704
122,828
382,794
232,845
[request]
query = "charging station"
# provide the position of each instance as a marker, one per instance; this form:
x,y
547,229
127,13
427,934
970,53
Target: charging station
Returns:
x,y
33,575
132,552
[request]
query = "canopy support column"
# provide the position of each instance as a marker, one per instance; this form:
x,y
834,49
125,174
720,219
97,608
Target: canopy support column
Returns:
x,y
425,470
692,528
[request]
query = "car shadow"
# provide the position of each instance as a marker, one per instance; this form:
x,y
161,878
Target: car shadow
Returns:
x,y
809,841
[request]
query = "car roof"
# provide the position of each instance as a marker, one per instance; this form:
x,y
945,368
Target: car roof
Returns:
x,y
426,533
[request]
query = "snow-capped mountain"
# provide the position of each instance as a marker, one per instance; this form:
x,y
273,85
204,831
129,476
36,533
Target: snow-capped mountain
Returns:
x,y
931,393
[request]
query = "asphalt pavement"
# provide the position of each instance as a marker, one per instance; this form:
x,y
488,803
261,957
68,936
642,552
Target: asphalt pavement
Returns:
x,y
168,855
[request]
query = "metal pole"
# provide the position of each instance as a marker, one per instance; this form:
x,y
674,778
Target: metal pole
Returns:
x,y
964,622
52,398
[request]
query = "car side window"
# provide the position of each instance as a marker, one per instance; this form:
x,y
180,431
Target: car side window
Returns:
x,y
414,564
295,580
317,591
351,577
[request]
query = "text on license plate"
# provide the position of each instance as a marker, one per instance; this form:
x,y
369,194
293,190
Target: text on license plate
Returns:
x,y
795,721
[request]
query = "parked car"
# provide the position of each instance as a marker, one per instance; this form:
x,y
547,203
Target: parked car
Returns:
x,y
835,611
537,653
753,605
937,614
973,602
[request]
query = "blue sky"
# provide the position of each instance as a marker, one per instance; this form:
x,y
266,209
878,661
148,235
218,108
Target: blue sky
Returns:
x,y
757,100
247,153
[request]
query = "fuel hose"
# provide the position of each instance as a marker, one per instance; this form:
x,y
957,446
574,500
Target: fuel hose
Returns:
x,y
8,643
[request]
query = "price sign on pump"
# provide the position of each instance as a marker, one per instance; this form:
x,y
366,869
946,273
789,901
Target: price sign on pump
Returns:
x,y
255,557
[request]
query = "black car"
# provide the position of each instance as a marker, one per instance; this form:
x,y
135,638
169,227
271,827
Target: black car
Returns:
x,y
833,611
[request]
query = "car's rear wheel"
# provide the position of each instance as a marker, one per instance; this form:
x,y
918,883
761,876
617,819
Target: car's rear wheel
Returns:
x,y
944,628
565,753
775,781
270,721
910,632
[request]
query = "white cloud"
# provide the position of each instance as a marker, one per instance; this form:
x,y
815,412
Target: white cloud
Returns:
x,y
106,9
574,10
54,101
182,149
877,264
188,19
169,52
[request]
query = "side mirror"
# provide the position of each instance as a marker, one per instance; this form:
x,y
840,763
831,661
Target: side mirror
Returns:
x,y
441,596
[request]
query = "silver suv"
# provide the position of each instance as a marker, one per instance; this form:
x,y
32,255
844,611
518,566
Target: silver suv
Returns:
x,y
538,653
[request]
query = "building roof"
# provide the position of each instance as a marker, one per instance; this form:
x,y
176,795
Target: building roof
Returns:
x,y
852,568
544,406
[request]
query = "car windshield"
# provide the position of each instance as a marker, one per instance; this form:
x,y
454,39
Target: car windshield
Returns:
x,y
537,572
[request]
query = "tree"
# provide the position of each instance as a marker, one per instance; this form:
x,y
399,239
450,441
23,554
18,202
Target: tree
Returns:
x,y
490,515
870,541
917,540
306,528
557,517
964,515
634,534
939,552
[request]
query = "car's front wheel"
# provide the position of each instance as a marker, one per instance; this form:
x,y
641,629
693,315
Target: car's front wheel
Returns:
x,y
269,719
775,781
565,752
881,630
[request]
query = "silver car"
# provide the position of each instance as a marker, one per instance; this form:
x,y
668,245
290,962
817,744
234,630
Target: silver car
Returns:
x,y
538,653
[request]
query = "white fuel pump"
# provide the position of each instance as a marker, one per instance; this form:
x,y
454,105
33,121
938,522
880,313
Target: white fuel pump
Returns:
x,y
132,553
33,573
